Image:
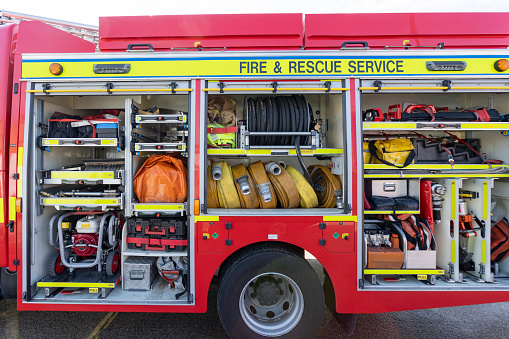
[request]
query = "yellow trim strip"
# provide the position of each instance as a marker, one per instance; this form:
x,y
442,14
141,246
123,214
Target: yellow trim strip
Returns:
x,y
432,167
340,218
79,201
278,89
70,284
81,175
484,251
12,208
453,251
453,201
111,90
329,151
2,211
403,272
156,207
258,152
428,175
485,200
391,212
401,88
432,87
389,125
20,172
206,218
404,125
225,151
485,125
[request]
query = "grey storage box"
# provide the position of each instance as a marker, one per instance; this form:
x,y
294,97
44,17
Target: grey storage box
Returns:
x,y
139,273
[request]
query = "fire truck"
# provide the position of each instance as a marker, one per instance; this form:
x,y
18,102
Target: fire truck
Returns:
x,y
165,153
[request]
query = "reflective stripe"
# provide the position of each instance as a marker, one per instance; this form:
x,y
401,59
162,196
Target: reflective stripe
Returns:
x,y
404,272
206,218
158,207
81,175
340,218
453,251
484,251
485,200
78,201
12,208
72,284
2,211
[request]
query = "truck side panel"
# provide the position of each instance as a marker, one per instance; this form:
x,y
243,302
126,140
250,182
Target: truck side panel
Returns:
x,y
6,62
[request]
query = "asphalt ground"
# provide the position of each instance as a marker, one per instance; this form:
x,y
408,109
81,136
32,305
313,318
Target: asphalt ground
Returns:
x,y
479,321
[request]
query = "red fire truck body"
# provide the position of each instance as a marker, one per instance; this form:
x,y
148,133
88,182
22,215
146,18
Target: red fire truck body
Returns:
x,y
342,65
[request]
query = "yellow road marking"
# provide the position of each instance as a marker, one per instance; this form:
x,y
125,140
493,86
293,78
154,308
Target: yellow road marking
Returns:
x,y
105,322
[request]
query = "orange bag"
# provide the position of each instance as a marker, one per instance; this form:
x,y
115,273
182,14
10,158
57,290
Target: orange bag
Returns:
x,y
161,179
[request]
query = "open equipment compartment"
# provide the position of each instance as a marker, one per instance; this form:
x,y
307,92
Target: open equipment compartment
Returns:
x,y
467,179
266,131
158,125
78,194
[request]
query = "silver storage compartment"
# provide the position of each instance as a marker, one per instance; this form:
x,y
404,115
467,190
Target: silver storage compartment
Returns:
x,y
139,273
426,260
393,188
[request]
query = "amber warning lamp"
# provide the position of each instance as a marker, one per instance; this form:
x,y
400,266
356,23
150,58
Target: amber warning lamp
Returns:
x,y
56,68
502,65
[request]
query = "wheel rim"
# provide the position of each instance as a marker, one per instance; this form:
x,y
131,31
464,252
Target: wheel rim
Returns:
x,y
114,264
271,304
59,266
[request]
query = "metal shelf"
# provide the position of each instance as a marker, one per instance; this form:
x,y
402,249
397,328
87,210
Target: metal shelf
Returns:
x,y
432,167
91,142
390,212
158,208
150,253
63,203
159,147
274,152
160,119
435,126
83,177
436,175
403,272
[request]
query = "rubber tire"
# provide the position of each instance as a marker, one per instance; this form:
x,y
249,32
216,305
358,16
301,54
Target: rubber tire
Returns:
x,y
276,260
8,281
109,263
52,264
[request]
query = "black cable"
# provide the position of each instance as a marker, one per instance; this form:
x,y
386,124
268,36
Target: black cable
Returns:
x,y
301,162
268,107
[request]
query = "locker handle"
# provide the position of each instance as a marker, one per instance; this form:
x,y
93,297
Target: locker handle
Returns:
x,y
155,232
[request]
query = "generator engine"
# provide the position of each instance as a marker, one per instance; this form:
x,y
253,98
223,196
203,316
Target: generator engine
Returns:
x,y
85,240
85,237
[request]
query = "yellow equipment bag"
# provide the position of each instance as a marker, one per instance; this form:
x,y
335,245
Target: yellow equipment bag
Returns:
x,y
161,179
368,158
395,152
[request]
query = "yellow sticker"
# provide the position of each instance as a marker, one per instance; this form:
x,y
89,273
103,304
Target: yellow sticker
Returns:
x,y
85,225
422,277
93,290
65,225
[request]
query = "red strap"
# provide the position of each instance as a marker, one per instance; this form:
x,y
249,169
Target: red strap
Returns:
x,y
482,115
221,130
430,109
156,242
488,161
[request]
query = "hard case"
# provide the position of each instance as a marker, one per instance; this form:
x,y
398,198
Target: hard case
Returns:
x,y
139,273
